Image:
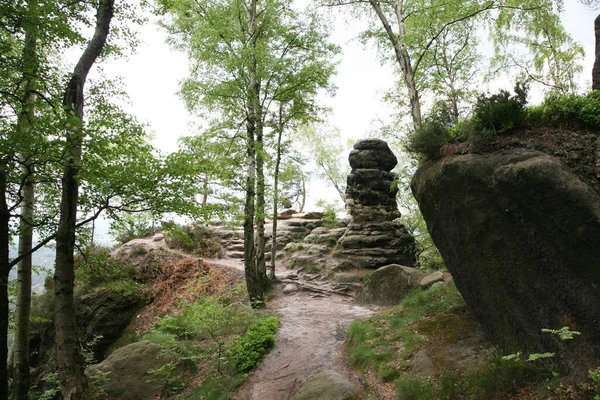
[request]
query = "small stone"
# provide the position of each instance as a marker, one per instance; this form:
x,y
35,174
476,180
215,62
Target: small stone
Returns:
x,y
422,364
328,385
430,279
289,289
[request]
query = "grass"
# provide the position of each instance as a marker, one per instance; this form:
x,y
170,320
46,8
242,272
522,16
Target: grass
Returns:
x,y
384,343
221,341
388,339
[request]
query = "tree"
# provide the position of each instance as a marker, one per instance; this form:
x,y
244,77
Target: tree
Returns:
x,y
325,150
418,33
73,381
596,69
246,55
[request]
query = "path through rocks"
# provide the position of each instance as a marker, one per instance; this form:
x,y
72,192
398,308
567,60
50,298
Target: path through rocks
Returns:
x,y
309,341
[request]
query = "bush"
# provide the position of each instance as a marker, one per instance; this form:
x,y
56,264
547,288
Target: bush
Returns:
x,y
569,108
258,339
500,113
426,141
132,226
195,239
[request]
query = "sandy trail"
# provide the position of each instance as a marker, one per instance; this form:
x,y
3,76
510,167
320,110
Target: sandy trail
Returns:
x,y
308,342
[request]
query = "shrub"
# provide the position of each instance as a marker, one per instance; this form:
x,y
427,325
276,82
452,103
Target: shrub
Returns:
x,y
195,238
259,337
426,141
500,113
131,226
569,108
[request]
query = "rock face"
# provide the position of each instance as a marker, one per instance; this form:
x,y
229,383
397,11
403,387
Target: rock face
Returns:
x,y
373,239
328,385
389,284
107,313
520,234
127,376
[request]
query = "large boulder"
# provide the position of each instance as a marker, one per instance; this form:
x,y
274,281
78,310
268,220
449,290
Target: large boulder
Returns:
x,y
372,154
105,313
388,285
125,374
328,385
520,234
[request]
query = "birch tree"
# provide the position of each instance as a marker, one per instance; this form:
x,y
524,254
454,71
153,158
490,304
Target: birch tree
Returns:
x,y
245,56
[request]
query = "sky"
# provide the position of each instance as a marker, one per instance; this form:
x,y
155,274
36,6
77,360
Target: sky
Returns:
x,y
152,78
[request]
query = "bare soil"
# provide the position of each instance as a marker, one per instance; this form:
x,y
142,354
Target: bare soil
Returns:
x,y
308,342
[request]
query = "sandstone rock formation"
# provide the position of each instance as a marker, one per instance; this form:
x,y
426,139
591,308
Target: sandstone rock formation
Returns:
x,y
389,284
373,239
328,385
126,372
520,234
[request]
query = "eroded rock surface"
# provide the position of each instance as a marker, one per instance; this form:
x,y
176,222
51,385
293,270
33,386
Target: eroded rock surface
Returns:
x,y
373,239
389,284
520,234
126,372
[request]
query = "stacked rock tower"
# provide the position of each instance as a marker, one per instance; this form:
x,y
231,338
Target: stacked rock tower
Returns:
x,y
373,238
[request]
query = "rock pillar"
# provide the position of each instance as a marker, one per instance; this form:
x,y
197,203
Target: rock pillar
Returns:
x,y
373,238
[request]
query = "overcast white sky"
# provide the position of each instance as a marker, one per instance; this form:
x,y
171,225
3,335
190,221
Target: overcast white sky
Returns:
x,y
152,77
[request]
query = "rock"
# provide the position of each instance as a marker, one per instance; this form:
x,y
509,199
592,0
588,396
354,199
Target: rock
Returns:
x,y
430,279
106,313
376,244
126,371
328,385
289,289
520,234
372,154
313,215
438,284
422,365
329,236
286,214
373,239
389,284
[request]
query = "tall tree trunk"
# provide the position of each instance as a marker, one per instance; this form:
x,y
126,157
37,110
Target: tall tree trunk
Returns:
x,y
303,192
23,310
4,270
402,57
260,208
276,194
254,282
74,385
24,124
596,70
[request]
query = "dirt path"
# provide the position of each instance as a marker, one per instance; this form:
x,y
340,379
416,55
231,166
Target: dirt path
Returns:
x,y
308,342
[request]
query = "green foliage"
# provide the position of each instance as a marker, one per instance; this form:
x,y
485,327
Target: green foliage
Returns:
x,y
500,113
374,342
570,108
259,338
329,213
427,140
131,226
94,268
194,238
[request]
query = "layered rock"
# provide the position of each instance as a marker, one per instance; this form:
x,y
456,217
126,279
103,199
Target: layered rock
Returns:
x,y
373,239
520,234
388,285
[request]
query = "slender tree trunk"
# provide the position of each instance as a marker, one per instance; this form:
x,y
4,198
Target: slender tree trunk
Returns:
x,y
254,282
303,192
596,69
23,309
402,57
276,195
74,385
260,208
4,270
